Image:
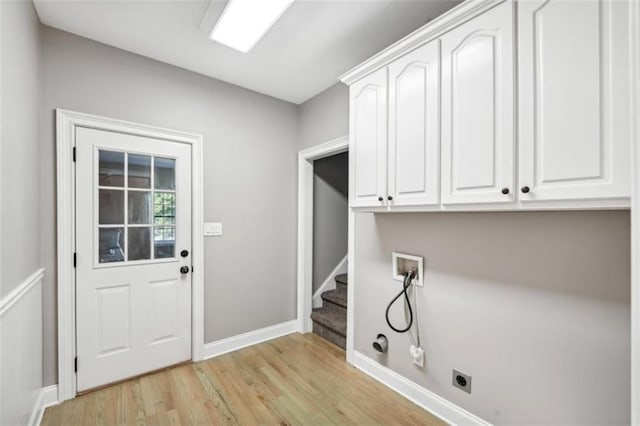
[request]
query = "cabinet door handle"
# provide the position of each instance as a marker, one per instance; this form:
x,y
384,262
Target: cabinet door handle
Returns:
x,y
389,198
380,199
505,191
525,189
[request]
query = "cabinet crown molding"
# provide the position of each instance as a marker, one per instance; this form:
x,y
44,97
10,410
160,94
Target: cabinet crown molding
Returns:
x,y
433,29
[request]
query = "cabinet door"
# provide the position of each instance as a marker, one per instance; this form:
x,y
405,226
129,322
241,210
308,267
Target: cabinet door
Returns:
x,y
574,99
414,127
477,109
368,150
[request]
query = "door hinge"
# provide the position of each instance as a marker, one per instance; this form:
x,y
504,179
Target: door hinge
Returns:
x,y
75,364
75,259
74,154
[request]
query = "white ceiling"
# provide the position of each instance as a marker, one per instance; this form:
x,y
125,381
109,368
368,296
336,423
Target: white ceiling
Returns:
x,y
303,54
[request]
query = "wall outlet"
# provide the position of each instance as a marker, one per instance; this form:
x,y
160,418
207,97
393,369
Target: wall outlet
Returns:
x,y
417,354
462,380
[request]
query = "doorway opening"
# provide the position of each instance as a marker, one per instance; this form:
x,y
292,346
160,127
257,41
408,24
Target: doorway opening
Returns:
x,y
325,233
330,243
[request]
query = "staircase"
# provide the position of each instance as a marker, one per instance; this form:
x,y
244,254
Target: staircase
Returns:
x,y
330,321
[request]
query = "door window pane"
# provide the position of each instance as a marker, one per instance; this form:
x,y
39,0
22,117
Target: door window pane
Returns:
x,y
139,243
111,245
111,207
139,171
139,206
164,208
164,173
164,241
136,217
111,168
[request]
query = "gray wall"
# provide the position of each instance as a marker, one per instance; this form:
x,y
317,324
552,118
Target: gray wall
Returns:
x,y
324,117
20,144
21,325
248,138
534,305
330,214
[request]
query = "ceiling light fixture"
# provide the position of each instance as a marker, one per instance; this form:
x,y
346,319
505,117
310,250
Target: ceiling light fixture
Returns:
x,y
244,22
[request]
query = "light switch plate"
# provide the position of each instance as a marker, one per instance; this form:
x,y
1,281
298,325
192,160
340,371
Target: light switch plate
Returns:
x,y
212,229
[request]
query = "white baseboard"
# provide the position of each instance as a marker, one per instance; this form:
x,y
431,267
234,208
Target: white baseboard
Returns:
x,y
47,397
436,405
330,282
248,339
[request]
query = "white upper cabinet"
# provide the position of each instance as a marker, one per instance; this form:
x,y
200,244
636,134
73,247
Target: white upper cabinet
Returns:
x,y
574,99
414,128
368,153
478,141
481,118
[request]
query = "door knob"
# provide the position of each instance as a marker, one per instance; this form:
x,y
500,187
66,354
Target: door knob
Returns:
x,y
525,189
184,270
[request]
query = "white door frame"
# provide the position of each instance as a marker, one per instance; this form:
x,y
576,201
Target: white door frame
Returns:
x,y
66,123
635,214
306,158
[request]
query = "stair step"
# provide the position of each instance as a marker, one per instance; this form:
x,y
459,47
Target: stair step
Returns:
x,y
332,319
329,335
341,279
337,297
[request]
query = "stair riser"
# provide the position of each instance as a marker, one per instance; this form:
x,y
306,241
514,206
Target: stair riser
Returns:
x,y
340,285
334,306
330,335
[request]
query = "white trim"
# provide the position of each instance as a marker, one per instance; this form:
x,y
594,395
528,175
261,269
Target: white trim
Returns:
x,y
6,304
330,282
19,292
435,28
635,212
436,405
50,396
251,338
66,122
305,233
351,273
47,397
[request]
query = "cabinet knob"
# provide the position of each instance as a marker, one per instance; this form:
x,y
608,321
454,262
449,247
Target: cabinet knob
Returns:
x,y
505,191
380,199
389,198
525,189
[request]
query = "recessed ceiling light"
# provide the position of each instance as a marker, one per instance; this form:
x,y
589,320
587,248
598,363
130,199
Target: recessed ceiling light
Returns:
x,y
244,22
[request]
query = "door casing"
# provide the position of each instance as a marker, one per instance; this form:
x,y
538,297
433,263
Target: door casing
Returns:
x,y
66,124
306,158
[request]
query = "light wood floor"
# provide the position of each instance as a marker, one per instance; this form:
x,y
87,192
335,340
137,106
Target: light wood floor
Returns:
x,y
296,379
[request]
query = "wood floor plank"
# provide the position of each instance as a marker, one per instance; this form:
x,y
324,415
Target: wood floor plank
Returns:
x,y
293,380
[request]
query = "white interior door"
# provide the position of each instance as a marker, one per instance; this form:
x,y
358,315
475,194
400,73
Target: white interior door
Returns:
x,y
133,227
